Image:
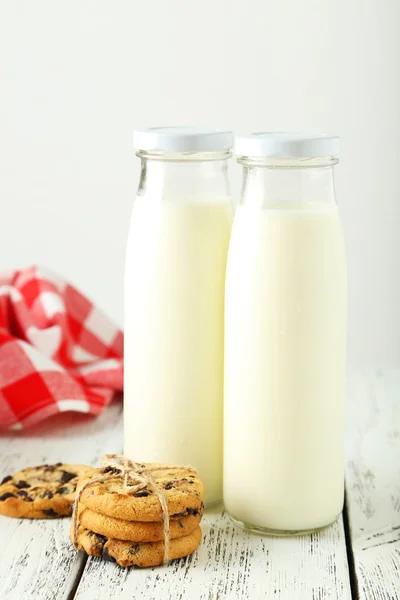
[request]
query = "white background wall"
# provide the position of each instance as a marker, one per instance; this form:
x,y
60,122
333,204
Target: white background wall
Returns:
x,y
77,76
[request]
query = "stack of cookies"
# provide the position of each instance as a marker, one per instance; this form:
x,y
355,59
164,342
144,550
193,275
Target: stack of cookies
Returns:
x,y
128,528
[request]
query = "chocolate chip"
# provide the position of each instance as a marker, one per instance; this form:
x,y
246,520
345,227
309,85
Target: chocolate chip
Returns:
x,y
141,494
108,556
134,549
178,515
7,495
184,513
46,494
171,484
190,482
58,464
101,538
192,511
66,476
64,490
22,493
6,478
180,524
22,484
111,470
50,468
98,542
50,513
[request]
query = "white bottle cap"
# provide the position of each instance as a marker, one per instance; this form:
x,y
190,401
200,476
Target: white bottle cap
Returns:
x,y
287,145
182,139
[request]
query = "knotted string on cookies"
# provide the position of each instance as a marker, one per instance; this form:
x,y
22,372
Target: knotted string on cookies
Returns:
x,y
134,477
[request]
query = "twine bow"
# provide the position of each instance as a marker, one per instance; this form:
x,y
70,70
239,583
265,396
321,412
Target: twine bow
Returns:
x,y
135,477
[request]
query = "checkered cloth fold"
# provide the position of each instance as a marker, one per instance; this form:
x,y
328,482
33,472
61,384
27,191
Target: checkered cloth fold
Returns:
x,y
58,351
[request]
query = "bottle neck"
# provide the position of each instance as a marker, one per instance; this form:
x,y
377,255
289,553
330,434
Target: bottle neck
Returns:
x,y
182,176
277,185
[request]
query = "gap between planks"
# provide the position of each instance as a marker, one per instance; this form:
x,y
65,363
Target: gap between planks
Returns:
x,y
350,552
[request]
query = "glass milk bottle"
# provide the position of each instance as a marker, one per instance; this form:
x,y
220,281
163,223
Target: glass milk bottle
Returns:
x,y
174,301
285,338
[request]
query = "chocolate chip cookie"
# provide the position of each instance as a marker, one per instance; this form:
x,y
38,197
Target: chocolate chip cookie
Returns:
x,y
135,531
181,487
43,492
140,554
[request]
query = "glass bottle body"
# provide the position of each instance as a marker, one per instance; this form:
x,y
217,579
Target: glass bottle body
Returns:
x,y
174,305
285,341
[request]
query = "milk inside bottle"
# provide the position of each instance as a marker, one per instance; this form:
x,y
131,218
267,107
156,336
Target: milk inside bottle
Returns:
x,y
285,338
174,301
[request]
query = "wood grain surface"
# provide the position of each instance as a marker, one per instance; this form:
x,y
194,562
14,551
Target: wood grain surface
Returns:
x,y
233,565
373,483
37,561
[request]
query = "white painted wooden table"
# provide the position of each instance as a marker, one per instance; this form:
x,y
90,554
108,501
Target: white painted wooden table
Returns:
x,y
358,557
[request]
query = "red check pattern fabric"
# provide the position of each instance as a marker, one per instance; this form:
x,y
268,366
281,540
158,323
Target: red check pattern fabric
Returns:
x,y
58,351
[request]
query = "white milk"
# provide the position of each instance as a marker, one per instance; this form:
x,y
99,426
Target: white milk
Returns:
x,y
285,367
174,319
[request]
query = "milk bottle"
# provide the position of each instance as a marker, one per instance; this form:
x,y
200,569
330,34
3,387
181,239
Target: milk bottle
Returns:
x,y
285,338
174,301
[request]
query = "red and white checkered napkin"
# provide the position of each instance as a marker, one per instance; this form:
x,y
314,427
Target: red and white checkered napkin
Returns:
x,y
58,352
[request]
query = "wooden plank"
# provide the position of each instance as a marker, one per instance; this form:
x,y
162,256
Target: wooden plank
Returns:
x,y
233,565
36,557
373,484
